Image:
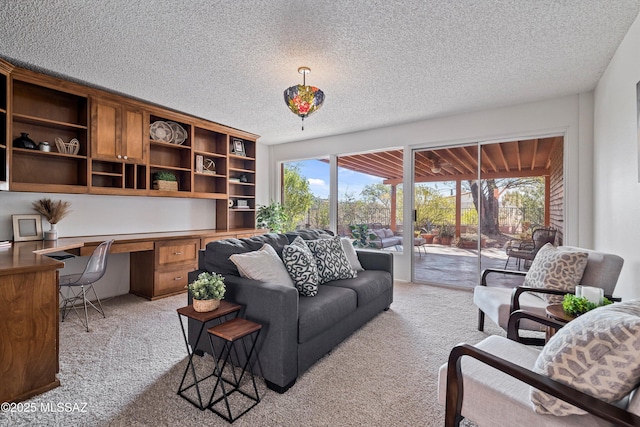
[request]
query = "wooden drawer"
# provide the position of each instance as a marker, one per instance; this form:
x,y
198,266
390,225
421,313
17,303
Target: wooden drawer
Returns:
x,y
172,281
174,252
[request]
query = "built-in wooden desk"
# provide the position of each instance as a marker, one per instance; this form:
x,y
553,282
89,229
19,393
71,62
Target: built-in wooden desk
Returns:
x,y
159,262
29,305
28,321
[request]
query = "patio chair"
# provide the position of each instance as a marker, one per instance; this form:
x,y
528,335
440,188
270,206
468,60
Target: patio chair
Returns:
x,y
527,249
498,381
498,302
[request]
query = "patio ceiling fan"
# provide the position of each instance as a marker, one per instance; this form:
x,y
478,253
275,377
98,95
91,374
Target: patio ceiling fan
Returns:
x,y
437,164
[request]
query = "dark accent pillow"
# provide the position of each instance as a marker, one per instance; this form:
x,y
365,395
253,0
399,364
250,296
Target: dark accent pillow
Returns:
x,y
301,266
331,260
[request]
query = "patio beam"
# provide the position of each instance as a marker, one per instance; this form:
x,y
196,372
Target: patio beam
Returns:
x,y
489,175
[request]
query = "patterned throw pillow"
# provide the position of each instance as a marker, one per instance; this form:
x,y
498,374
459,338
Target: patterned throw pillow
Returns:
x,y
331,260
302,268
597,353
555,269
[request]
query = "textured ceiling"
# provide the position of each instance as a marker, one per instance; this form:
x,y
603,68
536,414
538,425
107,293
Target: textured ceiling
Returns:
x,y
379,62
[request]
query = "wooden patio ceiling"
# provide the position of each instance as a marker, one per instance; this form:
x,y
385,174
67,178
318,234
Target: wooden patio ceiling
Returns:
x,y
512,159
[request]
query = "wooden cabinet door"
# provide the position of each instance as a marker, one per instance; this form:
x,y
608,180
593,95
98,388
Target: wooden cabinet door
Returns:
x,y
106,129
133,146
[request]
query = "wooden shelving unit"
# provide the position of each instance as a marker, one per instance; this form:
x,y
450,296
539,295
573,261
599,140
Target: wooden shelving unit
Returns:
x,y
45,114
5,136
117,154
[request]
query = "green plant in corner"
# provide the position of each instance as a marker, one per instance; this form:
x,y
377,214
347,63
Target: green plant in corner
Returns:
x,y
165,176
576,306
207,286
363,237
272,216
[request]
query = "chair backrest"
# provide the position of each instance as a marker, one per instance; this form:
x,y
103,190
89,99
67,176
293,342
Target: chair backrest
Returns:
x,y
602,270
542,236
97,264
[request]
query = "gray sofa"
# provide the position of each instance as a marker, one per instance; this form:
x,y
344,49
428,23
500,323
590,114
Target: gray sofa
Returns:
x,y
297,330
386,238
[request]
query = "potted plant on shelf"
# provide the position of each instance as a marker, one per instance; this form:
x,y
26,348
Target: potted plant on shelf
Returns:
x,y
207,291
165,181
53,212
272,216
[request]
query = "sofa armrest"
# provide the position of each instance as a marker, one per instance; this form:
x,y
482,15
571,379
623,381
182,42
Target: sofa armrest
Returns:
x,y
455,391
374,260
275,307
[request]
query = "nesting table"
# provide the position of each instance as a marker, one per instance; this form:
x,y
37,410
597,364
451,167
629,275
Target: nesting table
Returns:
x,y
235,335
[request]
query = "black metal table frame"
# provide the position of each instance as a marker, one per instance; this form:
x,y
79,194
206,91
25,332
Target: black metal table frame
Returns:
x,y
226,352
196,381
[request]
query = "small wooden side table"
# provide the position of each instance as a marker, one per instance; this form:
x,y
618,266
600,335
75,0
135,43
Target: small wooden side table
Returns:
x,y
233,333
556,312
226,308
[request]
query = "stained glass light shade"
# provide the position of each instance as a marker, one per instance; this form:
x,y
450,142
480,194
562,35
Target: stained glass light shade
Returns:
x,y
303,100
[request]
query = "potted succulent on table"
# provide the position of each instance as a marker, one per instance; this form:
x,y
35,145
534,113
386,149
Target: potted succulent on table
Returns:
x,y
207,291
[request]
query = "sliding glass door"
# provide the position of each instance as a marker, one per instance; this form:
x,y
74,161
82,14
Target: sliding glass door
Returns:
x,y
472,202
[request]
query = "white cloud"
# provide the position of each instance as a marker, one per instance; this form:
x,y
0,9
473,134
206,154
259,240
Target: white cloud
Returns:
x,y
317,182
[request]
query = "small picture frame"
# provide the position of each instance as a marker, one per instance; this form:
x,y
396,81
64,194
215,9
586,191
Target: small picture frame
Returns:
x,y
238,147
27,227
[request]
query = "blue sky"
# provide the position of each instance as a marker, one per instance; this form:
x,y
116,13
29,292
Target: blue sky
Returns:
x,y
317,174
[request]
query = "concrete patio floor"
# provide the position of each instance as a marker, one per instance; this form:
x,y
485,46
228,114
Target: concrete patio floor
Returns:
x,y
452,266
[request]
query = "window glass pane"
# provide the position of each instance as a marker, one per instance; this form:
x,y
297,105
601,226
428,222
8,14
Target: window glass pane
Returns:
x,y
370,199
305,194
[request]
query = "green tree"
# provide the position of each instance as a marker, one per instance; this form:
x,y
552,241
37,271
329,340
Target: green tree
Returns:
x,y
377,193
432,208
297,196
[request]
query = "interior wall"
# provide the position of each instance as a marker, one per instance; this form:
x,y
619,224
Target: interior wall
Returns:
x,y
616,187
98,215
551,117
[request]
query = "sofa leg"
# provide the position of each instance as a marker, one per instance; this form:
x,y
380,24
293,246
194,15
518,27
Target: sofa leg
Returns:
x,y
387,308
199,353
277,388
480,320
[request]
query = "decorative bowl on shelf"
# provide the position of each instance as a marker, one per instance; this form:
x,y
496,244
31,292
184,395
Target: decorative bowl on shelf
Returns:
x,y
71,147
161,131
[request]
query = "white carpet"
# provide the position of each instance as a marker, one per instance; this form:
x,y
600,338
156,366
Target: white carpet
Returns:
x,y
126,371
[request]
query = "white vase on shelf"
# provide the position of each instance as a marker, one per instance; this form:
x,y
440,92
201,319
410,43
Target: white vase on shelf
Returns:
x,y
52,233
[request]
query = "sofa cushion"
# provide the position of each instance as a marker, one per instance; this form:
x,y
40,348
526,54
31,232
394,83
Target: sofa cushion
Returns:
x,y
351,254
598,353
264,265
388,232
380,233
555,269
331,260
302,267
328,307
309,234
216,256
368,285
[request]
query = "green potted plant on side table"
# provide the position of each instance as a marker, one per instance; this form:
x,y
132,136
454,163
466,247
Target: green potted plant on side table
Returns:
x,y
207,291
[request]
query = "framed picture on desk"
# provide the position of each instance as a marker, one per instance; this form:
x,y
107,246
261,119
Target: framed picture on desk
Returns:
x,y
27,227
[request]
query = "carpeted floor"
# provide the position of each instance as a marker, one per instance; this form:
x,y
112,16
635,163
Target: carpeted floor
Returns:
x,y
126,371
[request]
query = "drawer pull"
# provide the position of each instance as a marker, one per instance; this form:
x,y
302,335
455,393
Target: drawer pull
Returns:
x,y
177,253
177,278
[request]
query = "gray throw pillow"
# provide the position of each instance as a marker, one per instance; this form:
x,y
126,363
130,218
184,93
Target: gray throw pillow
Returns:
x,y
351,254
598,353
556,269
331,260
